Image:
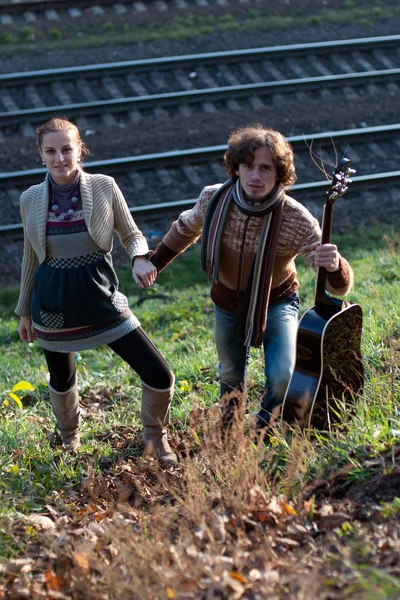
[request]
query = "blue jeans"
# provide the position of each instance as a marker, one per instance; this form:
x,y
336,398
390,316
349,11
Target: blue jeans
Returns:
x,y
279,352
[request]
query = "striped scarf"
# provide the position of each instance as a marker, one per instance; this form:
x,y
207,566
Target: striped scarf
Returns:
x,y
252,313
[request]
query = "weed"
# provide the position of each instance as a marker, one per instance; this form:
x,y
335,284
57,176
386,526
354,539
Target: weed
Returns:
x,y
378,11
28,34
8,38
108,26
55,34
254,14
228,18
391,509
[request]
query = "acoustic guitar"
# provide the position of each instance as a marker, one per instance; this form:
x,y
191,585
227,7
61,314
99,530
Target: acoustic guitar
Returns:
x,y
329,371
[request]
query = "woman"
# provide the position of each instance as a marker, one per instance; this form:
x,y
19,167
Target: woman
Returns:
x,y
69,298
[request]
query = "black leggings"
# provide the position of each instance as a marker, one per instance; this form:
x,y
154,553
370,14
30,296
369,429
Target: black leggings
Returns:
x,y
135,348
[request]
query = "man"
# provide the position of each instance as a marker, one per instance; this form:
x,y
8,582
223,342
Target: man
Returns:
x,y
251,233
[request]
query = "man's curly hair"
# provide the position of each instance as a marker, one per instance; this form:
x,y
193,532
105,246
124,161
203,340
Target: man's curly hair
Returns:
x,y
243,142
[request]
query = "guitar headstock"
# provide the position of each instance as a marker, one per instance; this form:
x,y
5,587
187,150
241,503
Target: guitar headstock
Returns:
x,y
340,180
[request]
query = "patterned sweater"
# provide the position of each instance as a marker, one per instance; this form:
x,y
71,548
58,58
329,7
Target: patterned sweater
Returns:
x,y
105,211
299,234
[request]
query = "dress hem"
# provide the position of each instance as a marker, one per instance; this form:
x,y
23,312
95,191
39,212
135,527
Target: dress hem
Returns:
x,y
93,342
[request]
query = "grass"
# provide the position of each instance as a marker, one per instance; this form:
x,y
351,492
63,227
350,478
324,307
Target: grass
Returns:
x,y
172,535
186,27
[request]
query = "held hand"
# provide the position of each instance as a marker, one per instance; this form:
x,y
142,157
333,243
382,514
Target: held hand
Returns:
x,y
25,330
327,255
144,272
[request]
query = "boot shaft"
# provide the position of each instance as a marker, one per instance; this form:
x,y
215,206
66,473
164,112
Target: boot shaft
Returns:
x,y
155,414
66,409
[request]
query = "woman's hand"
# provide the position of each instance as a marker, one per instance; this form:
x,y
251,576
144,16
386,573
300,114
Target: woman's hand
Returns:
x,y
25,331
143,272
327,255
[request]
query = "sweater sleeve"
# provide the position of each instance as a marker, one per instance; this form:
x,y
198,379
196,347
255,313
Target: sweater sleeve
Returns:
x,y
340,282
29,265
130,236
309,236
183,232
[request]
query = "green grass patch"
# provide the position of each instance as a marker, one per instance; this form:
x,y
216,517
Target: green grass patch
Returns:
x,y
106,482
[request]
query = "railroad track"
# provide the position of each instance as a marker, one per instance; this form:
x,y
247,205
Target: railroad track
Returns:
x,y
55,10
133,91
150,178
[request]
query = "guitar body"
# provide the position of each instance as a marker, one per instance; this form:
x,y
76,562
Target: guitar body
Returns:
x,y
329,373
329,370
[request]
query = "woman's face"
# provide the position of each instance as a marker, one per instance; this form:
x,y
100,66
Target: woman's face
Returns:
x,y
60,151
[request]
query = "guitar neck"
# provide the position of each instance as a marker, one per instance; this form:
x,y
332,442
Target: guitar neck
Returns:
x,y
321,296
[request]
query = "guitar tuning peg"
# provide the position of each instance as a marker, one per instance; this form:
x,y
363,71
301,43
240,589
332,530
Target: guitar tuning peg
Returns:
x,y
344,164
352,171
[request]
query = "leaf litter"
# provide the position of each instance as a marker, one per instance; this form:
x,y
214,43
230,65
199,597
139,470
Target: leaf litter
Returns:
x,y
219,525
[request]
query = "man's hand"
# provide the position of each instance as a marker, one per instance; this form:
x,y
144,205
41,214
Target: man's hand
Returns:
x,y
327,255
143,272
25,330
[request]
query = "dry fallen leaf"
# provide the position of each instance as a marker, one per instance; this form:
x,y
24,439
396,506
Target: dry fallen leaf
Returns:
x,y
332,521
54,583
238,577
81,561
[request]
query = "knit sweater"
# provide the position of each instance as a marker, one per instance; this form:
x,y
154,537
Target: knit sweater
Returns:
x,y
105,211
299,234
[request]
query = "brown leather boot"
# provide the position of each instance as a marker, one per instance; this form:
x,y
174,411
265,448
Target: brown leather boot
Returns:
x,y
67,412
155,414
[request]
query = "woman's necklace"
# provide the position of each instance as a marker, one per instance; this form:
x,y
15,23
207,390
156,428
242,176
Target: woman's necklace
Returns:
x,y
64,196
71,210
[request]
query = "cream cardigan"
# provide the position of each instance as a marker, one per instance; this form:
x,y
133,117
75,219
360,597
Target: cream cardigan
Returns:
x,y
105,211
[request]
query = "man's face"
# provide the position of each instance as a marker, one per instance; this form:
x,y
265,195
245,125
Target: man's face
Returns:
x,y
258,179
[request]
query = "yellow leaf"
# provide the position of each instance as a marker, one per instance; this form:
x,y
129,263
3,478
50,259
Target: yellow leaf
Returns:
x,y
6,403
14,470
43,369
287,509
15,398
170,593
23,385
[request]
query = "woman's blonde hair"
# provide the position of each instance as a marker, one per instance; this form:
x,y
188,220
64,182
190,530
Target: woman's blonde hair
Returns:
x,y
61,124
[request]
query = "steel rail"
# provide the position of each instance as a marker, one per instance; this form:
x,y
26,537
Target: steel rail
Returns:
x,y
204,59
197,96
204,154
299,190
